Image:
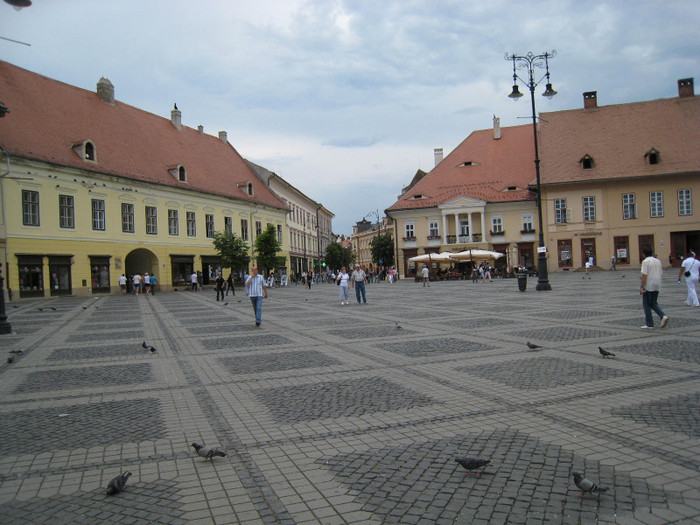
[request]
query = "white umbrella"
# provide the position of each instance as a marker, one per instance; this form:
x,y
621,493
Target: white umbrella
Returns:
x,y
476,255
432,257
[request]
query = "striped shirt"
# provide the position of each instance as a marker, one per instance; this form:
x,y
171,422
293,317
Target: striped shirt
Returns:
x,y
255,286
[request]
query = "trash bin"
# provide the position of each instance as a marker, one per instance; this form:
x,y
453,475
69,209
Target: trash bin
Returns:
x,y
522,281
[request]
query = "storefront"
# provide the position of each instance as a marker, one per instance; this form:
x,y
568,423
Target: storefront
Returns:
x,y
60,275
99,273
31,275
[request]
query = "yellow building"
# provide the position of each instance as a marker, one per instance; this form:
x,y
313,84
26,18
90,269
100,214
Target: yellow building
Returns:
x,y
618,178
92,188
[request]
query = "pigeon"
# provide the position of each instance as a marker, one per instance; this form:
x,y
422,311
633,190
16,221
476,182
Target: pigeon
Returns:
x,y
84,307
117,484
10,360
605,353
149,347
208,453
533,346
226,303
398,326
52,308
586,485
472,463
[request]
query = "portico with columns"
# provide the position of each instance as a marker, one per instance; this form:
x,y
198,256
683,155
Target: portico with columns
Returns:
x,y
463,221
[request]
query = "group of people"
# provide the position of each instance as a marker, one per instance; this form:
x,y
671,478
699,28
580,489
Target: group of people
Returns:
x,y
358,278
135,284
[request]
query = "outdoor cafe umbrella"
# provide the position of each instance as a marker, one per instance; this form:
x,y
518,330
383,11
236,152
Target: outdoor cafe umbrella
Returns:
x,y
475,255
432,257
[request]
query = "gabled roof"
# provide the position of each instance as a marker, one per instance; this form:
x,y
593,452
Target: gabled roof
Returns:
x,y
618,137
48,117
481,167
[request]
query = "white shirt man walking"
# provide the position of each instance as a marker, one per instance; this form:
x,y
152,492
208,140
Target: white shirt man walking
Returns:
x,y
257,289
652,272
425,273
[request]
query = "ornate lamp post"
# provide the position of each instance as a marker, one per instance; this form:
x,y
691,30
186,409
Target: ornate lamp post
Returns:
x,y
529,63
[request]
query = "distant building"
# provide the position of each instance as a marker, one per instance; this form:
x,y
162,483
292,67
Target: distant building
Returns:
x,y
92,188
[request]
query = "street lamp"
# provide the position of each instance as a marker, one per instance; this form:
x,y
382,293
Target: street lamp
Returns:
x,y
529,63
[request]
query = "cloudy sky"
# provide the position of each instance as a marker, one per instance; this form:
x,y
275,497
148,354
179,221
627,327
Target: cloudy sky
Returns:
x,y
346,99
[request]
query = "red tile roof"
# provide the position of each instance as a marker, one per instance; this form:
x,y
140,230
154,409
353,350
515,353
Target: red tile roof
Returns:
x,y
47,117
617,137
495,166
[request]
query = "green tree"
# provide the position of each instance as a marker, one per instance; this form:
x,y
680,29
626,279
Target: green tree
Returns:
x,y
232,250
337,256
266,248
382,248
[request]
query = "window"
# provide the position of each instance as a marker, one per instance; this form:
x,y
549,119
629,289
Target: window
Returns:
x,y
497,224
586,162
250,189
30,208
127,217
173,222
191,224
464,227
209,224
228,225
151,220
656,202
622,249
433,229
258,228
629,206
589,209
89,150
685,202
66,211
410,231
652,156
560,211
279,233
182,174
527,222
244,229
98,214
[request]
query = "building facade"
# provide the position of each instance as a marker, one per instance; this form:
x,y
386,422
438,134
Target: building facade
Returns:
x,y
92,188
362,235
618,178
309,224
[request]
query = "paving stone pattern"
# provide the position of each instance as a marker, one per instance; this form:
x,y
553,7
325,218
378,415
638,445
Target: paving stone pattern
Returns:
x,y
333,415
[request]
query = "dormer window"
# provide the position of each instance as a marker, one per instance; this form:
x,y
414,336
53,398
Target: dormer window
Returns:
x,y
587,162
85,150
469,163
652,156
418,197
179,172
249,189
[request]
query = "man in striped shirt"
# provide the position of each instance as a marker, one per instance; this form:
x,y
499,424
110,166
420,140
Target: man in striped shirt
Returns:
x,y
257,289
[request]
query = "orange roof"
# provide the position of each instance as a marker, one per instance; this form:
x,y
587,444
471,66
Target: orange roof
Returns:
x,y
480,168
47,117
618,137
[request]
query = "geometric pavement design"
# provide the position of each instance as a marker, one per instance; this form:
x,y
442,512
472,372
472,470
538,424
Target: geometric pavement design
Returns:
x,y
562,333
370,332
528,481
95,377
344,398
84,426
428,347
228,343
675,414
678,350
139,503
125,349
251,364
103,335
545,372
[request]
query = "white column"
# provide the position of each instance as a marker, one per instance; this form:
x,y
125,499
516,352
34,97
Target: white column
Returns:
x,y
483,226
444,229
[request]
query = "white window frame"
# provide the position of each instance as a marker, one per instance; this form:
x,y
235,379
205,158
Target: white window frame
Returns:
x,y
66,211
409,229
497,223
98,215
151,220
173,222
685,202
560,215
629,206
589,212
527,220
127,217
209,224
433,228
656,204
191,224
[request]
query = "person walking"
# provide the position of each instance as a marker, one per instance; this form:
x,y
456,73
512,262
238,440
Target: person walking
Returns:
x,y
257,289
229,285
122,284
690,268
154,283
137,283
425,273
220,283
146,283
613,263
342,281
193,280
652,273
358,283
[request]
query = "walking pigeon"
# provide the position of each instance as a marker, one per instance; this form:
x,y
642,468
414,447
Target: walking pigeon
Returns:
x,y
149,347
470,464
208,453
605,353
533,346
117,484
586,485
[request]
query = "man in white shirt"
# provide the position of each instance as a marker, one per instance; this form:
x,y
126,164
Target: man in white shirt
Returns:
x,y
358,283
257,289
690,266
652,273
425,273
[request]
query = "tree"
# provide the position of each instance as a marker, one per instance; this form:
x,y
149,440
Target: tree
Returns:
x,y
337,256
382,248
266,248
232,250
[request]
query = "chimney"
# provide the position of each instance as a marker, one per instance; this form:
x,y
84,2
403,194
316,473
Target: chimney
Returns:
x,y
438,155
685,88
200,128
496,128
590,99
105,90
176,118
223,137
